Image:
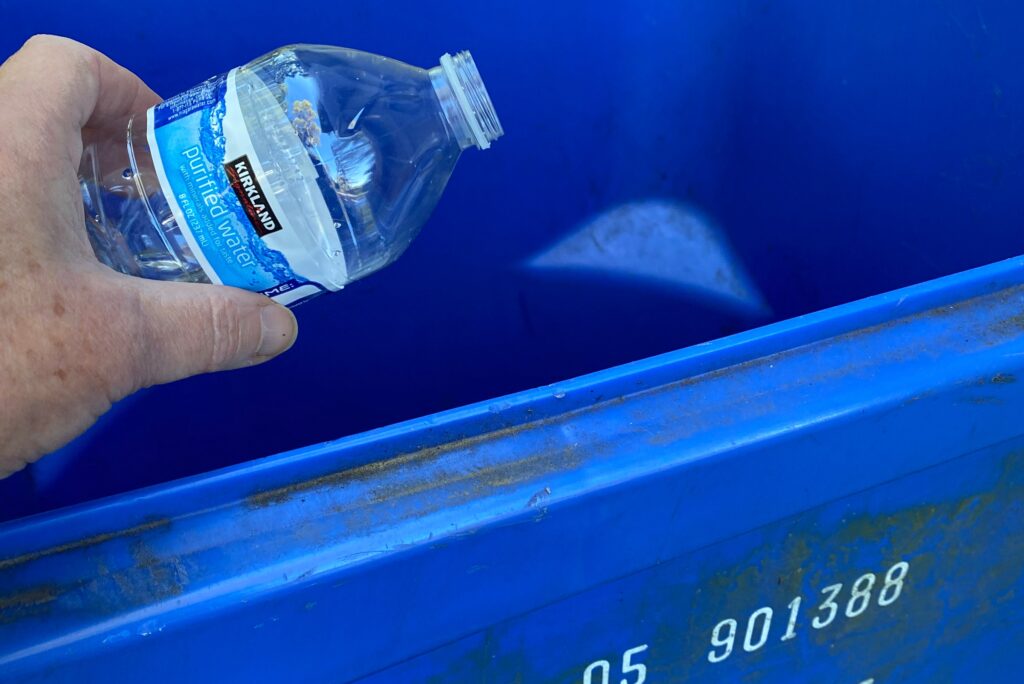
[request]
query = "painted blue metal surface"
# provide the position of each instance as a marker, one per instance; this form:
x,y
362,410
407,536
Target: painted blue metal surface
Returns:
x,y
655,521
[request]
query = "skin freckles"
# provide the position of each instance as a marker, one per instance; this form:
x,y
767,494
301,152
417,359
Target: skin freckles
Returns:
x,y
75,337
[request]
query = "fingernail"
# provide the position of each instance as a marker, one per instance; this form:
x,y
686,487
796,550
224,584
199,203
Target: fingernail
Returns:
x,y
279,330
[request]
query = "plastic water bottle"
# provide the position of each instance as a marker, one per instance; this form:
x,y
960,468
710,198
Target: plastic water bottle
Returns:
x,y
293,175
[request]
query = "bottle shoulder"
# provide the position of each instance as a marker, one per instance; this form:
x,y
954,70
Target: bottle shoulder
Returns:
x,y
374,132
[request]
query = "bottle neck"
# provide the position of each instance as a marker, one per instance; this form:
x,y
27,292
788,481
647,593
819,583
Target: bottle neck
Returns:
x,y
464,101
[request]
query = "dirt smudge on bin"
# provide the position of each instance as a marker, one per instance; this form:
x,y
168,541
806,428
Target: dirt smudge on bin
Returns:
x,y
27,602
943,601
84,543
478,480
104,591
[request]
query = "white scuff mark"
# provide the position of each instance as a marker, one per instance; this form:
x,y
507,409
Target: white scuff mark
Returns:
x,y
355,119
150,627
117,636
538,497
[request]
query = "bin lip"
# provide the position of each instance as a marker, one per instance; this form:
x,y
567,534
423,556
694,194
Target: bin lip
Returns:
x,y
281,471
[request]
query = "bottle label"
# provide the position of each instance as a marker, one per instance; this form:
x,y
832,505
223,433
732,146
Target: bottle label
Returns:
x,y
243,231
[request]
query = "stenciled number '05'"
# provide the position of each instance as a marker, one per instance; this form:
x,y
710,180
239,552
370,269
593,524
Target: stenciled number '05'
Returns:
x,y
600,671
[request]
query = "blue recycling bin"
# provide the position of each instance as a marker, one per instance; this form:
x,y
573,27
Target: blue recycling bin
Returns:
x,y
710,370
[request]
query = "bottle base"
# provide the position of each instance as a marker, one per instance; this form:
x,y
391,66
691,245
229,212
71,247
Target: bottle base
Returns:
x,y
145,257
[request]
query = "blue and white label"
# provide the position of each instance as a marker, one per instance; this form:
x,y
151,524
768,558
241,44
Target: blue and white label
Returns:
x,y
245,228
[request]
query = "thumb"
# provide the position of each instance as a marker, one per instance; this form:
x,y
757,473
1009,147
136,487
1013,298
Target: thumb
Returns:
x,y
191,328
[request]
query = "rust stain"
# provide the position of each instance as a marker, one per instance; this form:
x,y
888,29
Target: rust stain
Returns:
x,y
1003,327
107,590
933,536
984,401
22,604
988,399
911,533
280,495
483,480
538,463
687,422
147,579
517,470
1009,325
86,542
474,483
161,578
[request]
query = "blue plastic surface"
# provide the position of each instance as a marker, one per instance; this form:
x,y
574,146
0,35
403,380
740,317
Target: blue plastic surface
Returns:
x,y
841,151
786,157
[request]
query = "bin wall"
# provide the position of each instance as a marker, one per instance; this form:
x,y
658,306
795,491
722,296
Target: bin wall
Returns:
x,y
820,153
534,536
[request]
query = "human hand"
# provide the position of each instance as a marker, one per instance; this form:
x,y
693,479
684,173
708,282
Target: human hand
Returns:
x,y
76,336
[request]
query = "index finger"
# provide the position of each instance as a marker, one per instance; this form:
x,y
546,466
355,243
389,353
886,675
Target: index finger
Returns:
x,y
57,86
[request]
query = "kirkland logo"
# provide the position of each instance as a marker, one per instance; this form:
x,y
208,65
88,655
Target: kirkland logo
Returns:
x,y
250,194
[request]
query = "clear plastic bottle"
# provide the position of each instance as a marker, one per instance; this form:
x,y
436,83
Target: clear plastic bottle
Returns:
x,y
295,174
